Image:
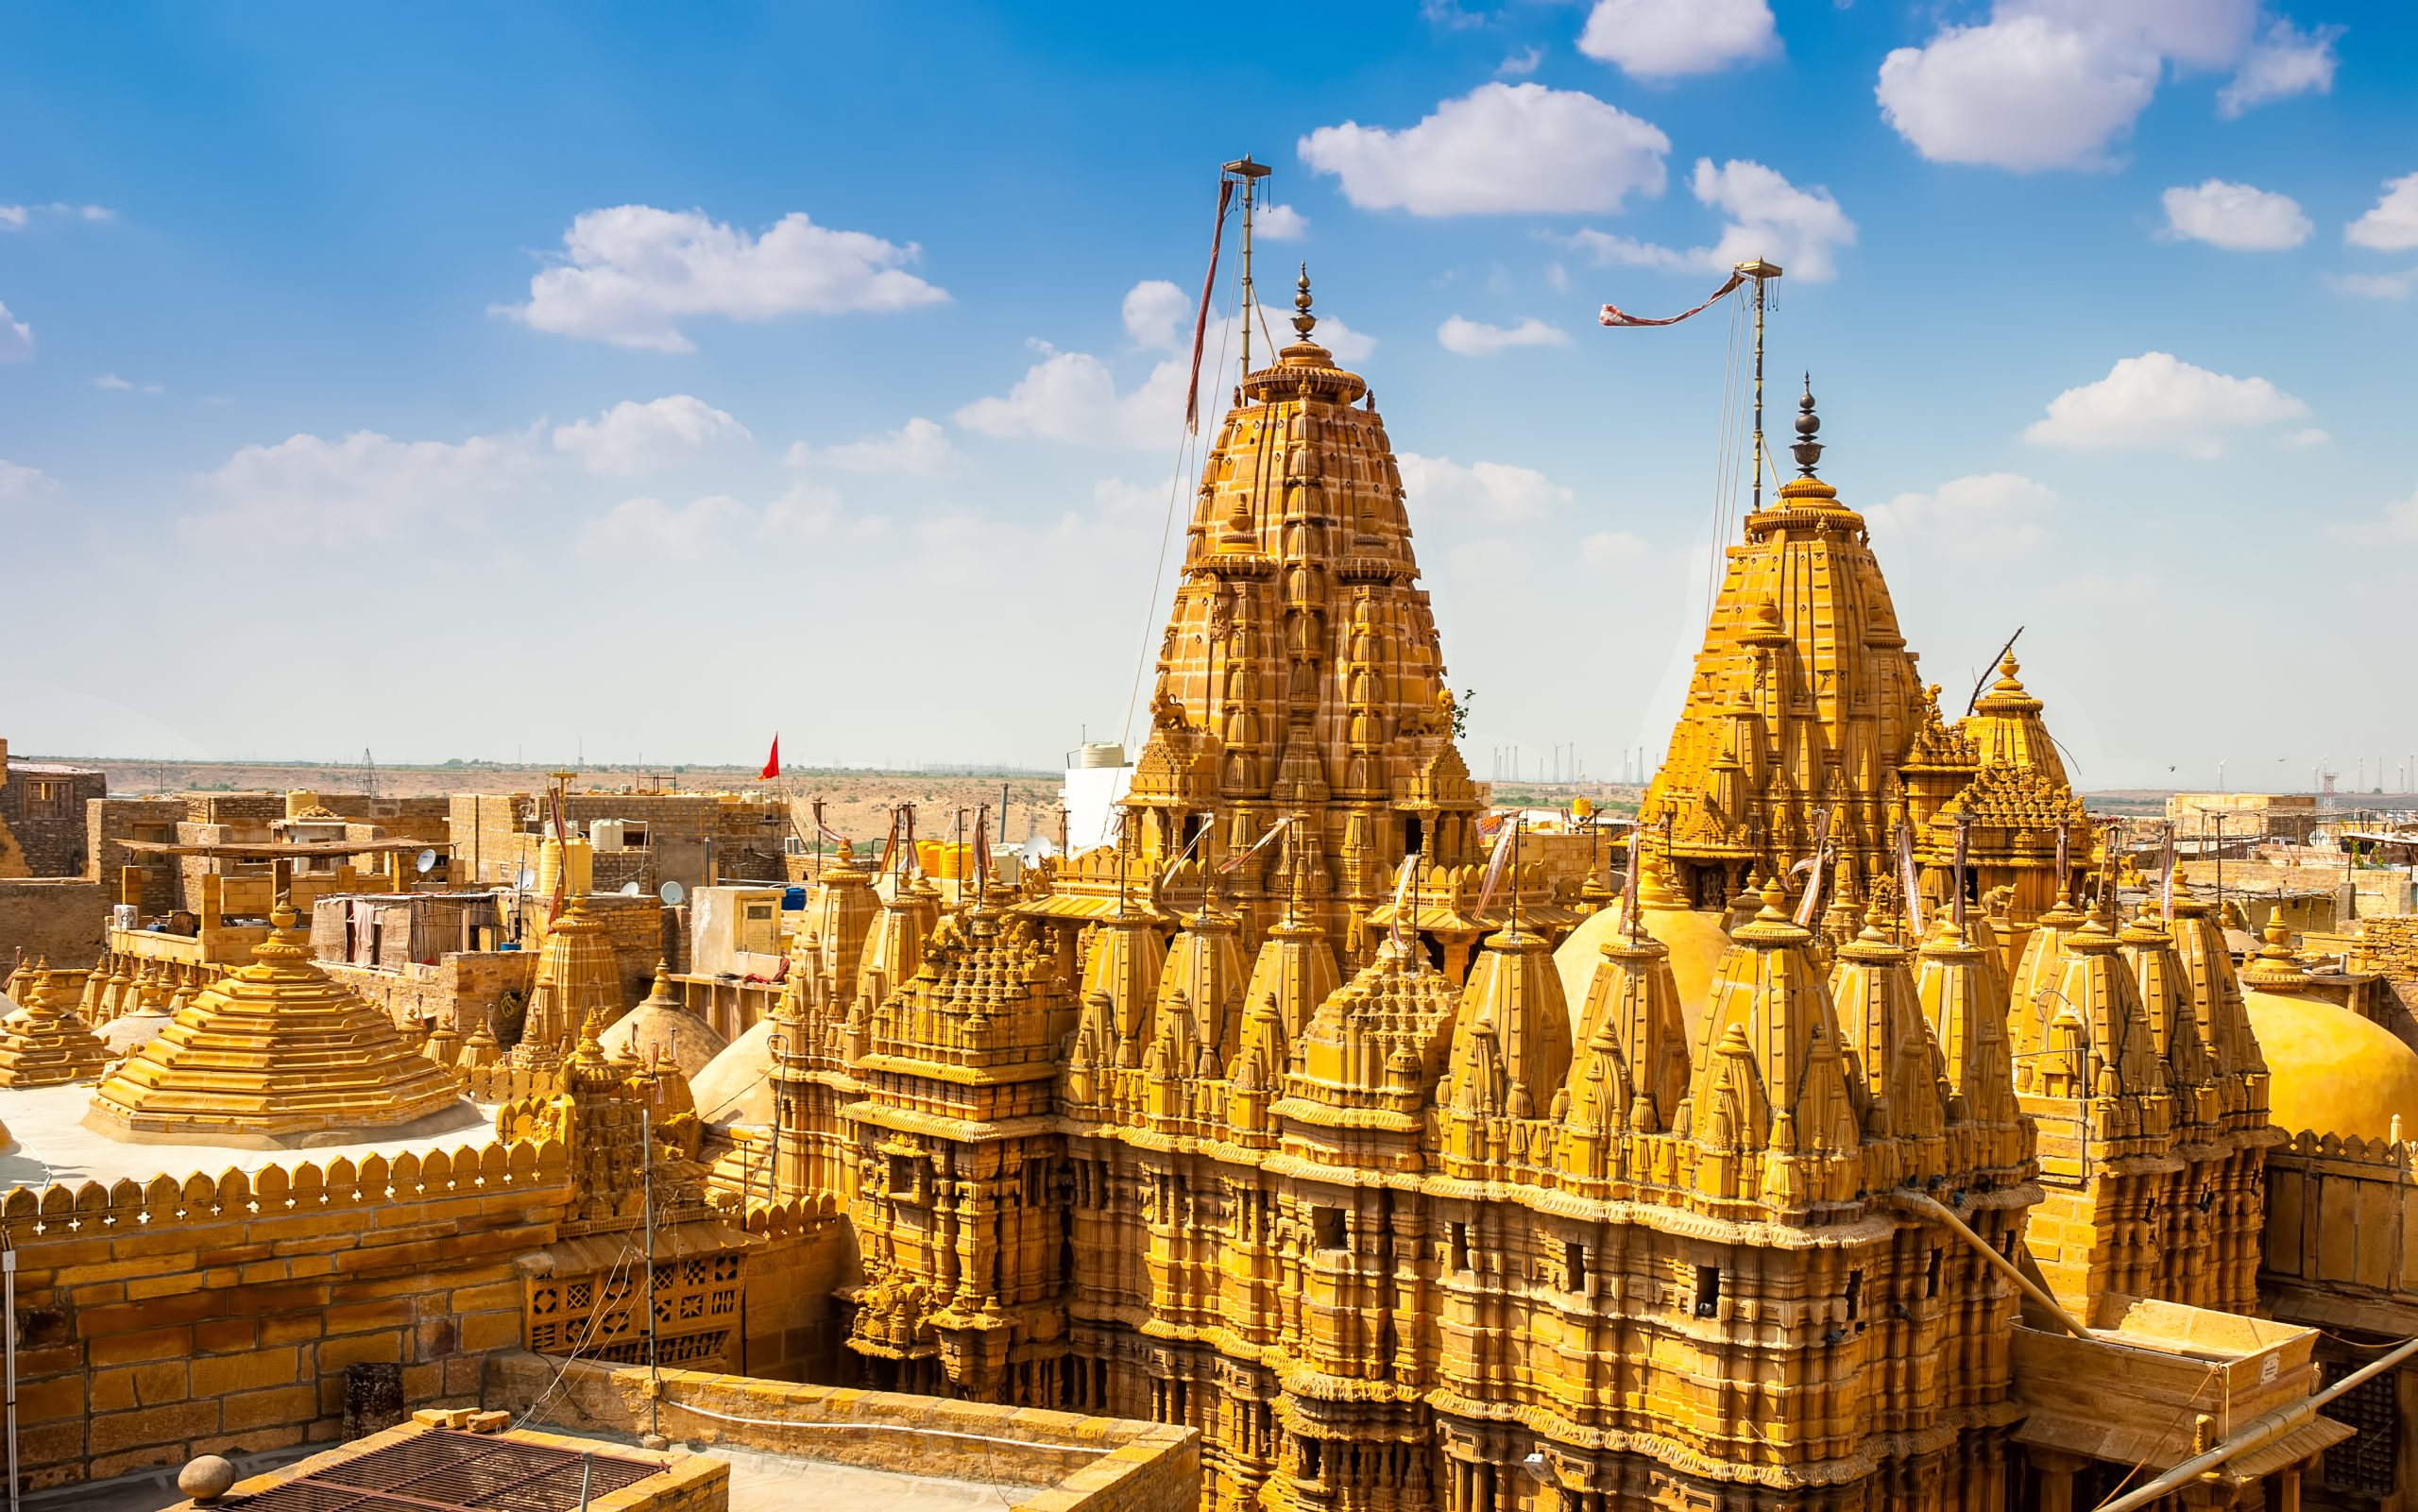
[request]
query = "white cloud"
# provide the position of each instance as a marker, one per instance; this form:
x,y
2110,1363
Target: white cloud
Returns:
x,y
2235,217
16,218
2396,523
1988,514
1664,38
363,487
2158,400
16,338
1610,550
1439,488
1072,396
632,437
628,275
1280,223
2022,92
919,448
1348,345
2391,225
1157,315
650,530
19,482
1765,215
1473,338
113,381
2376,285
1499,149
2056,83
1519,64
2286,61
2307,436
1114,496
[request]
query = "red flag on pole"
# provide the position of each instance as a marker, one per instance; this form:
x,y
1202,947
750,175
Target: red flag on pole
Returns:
x,y
772,762
1615,316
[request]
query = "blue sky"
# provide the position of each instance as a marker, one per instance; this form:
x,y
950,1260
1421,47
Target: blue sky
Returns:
x,y
479,381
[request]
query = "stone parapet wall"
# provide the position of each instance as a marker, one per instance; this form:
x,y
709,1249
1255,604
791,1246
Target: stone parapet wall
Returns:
x,y
227,1314
1071,1463
794,1327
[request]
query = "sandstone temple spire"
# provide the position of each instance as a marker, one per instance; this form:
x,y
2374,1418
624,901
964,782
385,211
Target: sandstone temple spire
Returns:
x,y
1300,678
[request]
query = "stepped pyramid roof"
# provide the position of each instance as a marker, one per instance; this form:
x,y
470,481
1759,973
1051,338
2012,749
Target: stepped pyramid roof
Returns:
x,y
43,1043
277,1054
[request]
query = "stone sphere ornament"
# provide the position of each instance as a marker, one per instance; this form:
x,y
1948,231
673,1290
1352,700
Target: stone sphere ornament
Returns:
x,y
206,1478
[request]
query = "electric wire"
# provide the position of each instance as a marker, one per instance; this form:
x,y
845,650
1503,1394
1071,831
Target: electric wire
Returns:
x,y
595,1317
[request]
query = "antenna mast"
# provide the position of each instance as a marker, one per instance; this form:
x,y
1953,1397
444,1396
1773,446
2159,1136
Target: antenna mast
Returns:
x,y
1763,273
1250,174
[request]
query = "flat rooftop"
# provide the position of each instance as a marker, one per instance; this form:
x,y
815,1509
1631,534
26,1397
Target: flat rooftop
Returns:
x,y
760,1481
768,1481
49,1144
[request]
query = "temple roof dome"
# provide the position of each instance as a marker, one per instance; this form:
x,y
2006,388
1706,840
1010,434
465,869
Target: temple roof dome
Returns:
x,y
1694,936
2330,1070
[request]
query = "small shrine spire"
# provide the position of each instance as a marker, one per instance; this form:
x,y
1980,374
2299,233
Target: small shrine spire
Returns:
x,y
1303,322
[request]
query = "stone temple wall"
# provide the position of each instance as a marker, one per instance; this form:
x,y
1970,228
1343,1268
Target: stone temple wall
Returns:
x,y
235,1314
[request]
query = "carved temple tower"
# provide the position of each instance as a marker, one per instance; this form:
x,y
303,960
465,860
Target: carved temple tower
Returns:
x,y
1300,682
1805,704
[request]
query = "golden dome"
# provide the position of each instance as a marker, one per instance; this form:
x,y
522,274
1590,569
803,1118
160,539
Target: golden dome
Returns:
x,y
1694,939
2330,1070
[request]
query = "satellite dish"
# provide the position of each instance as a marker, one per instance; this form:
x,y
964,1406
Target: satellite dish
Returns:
x,y
672,892
425,861
527,879
629,890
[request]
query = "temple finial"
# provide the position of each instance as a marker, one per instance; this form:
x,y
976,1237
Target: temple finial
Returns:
x,y
1304,322
1807,450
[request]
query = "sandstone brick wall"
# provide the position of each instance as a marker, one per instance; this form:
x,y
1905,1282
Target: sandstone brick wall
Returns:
x,y
220,1315
1070,1462
2388,946
109,822
50,830
60,919
635,926
461,988
251,808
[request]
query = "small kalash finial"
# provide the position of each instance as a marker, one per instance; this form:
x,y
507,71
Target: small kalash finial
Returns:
x,y
1807,450
1304,322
